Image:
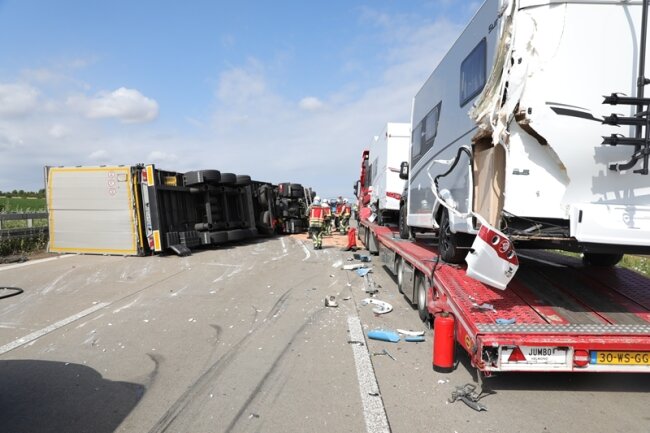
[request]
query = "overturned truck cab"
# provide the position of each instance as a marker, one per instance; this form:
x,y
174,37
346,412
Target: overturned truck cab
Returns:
x,y
508,131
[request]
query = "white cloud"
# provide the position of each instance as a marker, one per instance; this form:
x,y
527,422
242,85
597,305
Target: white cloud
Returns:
x,y
98,155
311,103
158,156
17,99
127,105
243,84
58,131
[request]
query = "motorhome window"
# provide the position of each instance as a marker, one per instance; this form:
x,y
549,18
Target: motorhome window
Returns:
x,y
472,73
416,144
431,128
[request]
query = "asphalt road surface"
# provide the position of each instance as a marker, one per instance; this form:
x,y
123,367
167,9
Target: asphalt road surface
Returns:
x,y
238,339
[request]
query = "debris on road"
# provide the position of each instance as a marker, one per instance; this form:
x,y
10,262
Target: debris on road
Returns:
x,y
383,307
384,335
415,339
361,258
330,301
353,266
410,333
360,343
468,395
362,272
384,352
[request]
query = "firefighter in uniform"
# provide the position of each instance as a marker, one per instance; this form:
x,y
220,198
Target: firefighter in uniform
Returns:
x,y
344,217
316,222
327,217
337,214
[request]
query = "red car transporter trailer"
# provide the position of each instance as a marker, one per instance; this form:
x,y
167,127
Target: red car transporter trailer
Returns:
x,y
556,315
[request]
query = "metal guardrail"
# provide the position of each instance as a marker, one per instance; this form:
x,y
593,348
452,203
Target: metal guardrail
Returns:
x,y
24,232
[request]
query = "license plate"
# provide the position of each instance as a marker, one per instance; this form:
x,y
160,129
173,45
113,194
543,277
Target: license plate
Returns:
x,y
620,358
544,355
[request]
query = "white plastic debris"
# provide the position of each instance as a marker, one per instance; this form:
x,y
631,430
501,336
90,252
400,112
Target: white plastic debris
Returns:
x,y
383,307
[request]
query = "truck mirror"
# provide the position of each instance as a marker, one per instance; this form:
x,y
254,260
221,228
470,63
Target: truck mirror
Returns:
x,y
404,170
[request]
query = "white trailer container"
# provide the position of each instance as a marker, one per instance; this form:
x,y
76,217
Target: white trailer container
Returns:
x,y
93,210
508,129
387,151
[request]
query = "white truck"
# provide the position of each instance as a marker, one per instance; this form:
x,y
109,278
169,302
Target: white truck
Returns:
x,y
511,129
387,151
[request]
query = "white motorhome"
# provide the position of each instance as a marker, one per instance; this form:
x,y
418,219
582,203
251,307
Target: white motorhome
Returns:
x,y
387,151
508,130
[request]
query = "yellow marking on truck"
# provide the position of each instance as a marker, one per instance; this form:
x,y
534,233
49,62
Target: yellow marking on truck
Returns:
x,y
156,240
138,210
150,181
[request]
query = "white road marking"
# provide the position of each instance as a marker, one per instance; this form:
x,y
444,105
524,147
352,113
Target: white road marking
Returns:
x,y
373,405
33,262
53,327
284,246
307,253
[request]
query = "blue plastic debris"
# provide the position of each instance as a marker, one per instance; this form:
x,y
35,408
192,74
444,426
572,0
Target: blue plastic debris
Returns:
x,y
415,339
383,335
363,271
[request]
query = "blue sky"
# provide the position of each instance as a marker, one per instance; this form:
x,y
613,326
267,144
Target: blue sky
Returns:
x,y
282,91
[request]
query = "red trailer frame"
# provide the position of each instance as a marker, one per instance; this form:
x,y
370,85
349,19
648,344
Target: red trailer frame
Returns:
x,y
556,315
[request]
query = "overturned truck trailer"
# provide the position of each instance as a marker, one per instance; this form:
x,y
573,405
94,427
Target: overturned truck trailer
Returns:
x,y
138,210
511,129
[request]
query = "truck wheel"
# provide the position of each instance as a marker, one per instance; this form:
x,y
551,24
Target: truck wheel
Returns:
x,y
601,260
236,235
399,270
218,237
423,311
228,178
297,190
404,231
449,244
242,180
201,176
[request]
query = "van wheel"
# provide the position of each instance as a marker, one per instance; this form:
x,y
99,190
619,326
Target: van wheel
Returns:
x,y
449,243
399,268
404,231
601,260
423,311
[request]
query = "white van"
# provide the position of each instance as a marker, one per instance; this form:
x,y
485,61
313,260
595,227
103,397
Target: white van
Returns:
x,y
508,130
387,151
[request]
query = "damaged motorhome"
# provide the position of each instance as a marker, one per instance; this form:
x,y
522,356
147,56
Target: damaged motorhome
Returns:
x,y
508,132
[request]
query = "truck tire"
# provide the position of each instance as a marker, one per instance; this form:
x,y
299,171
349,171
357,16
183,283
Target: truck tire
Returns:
x,y
243,180
404,231
198,177
399,271
602,260
236,235
296,190
450,243
228,179
423,311
218,237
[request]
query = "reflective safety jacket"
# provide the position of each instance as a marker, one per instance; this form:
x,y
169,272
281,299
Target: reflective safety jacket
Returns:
x,y
346,210
316,216
327,214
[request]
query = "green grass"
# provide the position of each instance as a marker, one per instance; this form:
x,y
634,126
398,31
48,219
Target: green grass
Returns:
x,y
22,204
640,264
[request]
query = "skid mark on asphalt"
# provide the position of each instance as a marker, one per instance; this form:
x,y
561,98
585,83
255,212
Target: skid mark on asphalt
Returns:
x,y
181,409
272,369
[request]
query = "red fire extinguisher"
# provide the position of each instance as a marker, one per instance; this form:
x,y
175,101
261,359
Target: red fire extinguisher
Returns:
x,y
443,343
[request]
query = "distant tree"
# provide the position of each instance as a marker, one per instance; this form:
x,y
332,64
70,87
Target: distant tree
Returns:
x,y
41,193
